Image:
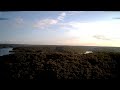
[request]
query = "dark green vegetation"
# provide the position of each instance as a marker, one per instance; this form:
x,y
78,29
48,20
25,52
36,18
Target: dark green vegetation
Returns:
x,y
60,62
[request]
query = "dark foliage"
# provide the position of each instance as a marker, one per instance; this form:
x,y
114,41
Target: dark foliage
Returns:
x,y
51,63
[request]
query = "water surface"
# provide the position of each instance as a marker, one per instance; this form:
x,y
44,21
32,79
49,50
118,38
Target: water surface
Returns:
x,y
5,51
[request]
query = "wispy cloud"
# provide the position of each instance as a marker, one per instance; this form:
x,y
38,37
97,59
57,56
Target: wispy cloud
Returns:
x,y
72,25
19,20
45,23
16,23
66,26
64,14
102,37
74,12
61,16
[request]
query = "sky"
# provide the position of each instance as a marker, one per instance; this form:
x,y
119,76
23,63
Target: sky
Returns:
x,y
88,28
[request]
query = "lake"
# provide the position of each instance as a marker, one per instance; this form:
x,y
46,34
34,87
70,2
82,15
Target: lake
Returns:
x,y
5,51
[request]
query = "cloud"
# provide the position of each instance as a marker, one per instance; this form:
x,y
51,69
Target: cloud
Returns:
x,y
102,37
16,23
19,20
116,18
74,12
61,16
94,28
65,26
100,30
45,23
4,18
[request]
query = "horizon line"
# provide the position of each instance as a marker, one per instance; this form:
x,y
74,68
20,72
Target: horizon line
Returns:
x,y
60,45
